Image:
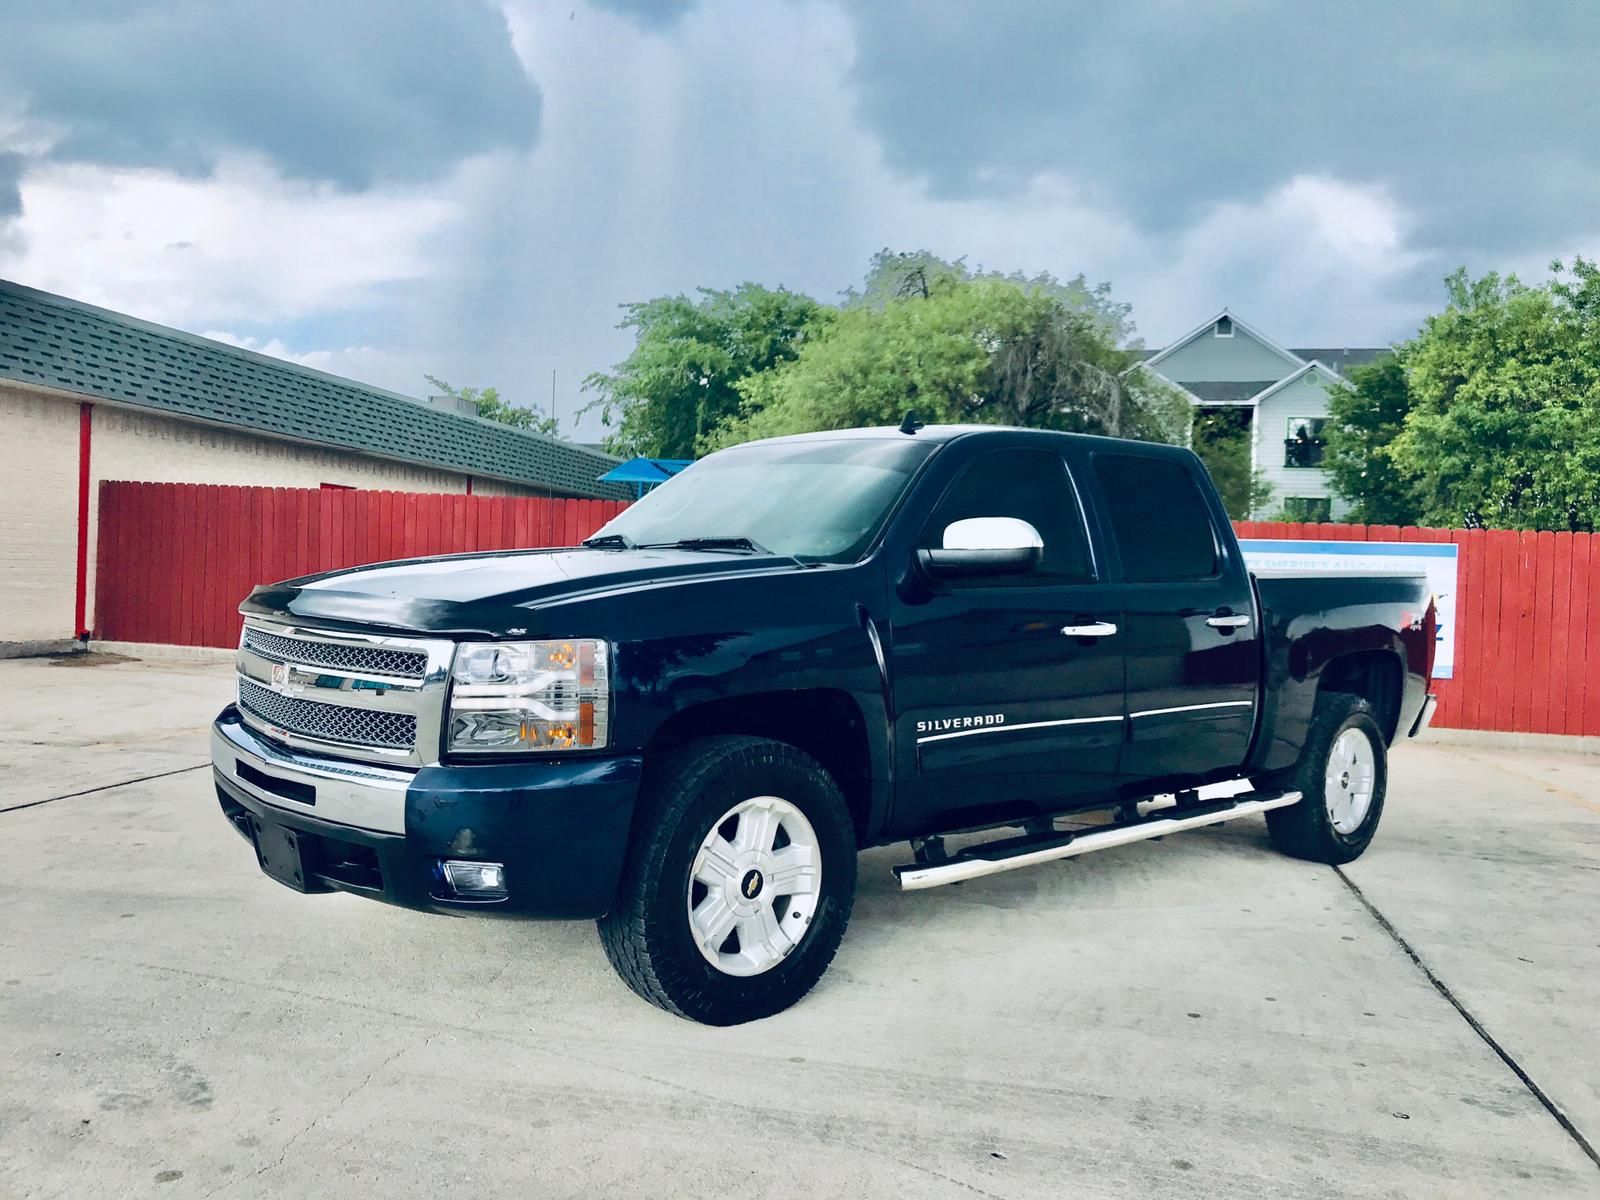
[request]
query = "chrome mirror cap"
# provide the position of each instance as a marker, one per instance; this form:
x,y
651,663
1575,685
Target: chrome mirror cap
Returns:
x,y
992,533
981,546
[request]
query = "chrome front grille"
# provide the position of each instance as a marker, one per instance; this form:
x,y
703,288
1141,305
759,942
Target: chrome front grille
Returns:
x,y
329,722
338,656
348,695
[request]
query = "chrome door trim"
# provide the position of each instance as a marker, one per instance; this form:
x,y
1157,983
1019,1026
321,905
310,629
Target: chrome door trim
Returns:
x,y
940,737
1183,708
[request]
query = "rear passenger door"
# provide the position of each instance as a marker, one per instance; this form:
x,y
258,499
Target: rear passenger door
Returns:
x,y
1190,642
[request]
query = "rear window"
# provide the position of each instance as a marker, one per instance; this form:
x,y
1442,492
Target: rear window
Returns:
x,y
1158,517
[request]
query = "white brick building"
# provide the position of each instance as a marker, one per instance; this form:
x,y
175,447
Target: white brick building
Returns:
x,y
88,395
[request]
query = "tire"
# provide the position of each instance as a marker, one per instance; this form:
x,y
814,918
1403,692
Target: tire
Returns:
x,y
1329,825
773,809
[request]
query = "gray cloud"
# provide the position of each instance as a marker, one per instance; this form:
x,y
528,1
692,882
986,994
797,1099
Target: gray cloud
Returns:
x,y
354,92
1478,116
785,141
649,14
10,177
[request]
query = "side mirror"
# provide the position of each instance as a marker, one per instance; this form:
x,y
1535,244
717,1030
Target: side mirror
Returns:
x,y
984,546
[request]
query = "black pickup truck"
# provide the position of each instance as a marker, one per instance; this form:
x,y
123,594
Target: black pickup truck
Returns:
x,y
687,727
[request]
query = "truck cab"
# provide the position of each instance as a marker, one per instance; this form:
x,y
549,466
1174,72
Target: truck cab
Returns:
x,y
1127,657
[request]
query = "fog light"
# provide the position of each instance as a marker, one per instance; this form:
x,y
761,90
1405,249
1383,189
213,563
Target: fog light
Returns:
x,y
476,878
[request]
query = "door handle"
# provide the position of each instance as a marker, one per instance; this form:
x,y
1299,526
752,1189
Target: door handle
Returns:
x,y
1228,622
1094,629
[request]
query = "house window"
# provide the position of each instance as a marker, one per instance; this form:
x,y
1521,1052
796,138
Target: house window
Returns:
x,y
1224,327
1303,444
1308,508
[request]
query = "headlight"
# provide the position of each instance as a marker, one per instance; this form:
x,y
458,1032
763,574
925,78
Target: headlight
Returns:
x,y
510,697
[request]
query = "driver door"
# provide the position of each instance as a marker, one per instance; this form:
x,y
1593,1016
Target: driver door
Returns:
x,y
1008,688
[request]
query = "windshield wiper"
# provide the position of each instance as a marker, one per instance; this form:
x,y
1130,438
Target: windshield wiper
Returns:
x,y
716,542
611,541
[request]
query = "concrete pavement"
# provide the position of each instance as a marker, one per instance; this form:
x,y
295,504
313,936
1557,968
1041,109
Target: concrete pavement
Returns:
x,y
1194,1017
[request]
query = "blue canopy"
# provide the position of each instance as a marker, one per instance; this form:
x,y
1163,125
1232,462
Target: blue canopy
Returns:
x,y
645,470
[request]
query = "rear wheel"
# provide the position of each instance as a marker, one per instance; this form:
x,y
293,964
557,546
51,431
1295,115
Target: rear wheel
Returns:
x,y
738,884
1342,776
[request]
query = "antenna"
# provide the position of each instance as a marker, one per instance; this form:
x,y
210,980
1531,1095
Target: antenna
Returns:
x,y
910,424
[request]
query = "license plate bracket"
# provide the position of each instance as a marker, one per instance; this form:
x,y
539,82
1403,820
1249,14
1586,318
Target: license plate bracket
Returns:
x,y
284,854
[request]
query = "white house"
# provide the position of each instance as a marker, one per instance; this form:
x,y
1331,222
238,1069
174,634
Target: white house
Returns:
x,y
1227,363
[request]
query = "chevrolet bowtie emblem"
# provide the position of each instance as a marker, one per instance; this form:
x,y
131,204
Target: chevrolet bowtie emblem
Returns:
x,y
283,679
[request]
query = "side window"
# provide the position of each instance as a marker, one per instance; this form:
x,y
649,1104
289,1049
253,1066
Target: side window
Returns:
x,y
1031,485
1159,517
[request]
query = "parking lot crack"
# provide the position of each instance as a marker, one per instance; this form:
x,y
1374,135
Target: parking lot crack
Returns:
x,y
283,1153
1439,985
106,787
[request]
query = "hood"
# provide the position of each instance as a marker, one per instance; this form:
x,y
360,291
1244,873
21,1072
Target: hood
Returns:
x,y
488,595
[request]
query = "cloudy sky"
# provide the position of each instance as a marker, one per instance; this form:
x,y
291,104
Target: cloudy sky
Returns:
x,y
386,187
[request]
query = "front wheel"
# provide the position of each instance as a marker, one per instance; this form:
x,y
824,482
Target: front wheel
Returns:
x,y
738,883
1342,776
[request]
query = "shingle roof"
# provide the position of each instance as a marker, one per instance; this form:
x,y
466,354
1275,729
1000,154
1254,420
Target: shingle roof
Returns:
x,y
1341,359
60,343
1217,392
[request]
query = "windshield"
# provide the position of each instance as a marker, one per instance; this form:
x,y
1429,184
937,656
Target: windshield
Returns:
x,y
822,501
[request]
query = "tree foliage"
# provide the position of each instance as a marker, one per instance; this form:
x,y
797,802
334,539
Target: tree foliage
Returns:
x,y
1504,427
680,383
492,407
922,333
1221,437
896,275
956,347
1365,415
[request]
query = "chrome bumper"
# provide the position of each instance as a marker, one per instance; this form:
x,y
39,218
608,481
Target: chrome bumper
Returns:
x,y
1425,717
355,794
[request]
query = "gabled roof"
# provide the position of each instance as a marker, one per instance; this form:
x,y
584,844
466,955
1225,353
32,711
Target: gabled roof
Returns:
x,y
1329,373
1290,357
54,342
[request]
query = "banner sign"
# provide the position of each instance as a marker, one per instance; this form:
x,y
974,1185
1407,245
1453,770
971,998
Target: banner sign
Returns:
x,y
1436,560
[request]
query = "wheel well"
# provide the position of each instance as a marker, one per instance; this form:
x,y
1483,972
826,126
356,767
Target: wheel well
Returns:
x,y
1374,675
827,724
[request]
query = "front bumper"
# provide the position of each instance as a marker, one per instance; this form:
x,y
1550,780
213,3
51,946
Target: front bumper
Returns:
x,y
559,827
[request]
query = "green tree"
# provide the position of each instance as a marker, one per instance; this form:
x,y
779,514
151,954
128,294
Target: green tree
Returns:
x,y
1504,427
899,274
1221,437
960,348
680,383
1365,416
491,407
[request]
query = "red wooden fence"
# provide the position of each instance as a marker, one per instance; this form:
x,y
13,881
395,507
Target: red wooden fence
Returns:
x,y
175,559
1527,651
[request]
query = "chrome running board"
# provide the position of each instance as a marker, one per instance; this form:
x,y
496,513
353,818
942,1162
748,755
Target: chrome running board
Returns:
x,y
1015,853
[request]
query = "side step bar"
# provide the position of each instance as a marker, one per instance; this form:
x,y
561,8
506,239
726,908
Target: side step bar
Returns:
x,y
1014,853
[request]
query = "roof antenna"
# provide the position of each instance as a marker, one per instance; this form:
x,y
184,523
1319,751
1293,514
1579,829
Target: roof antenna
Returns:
x,y
910,424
